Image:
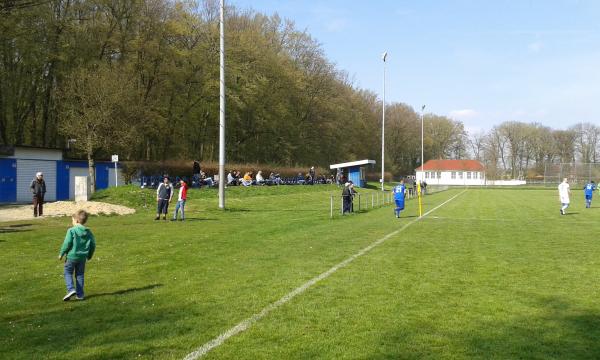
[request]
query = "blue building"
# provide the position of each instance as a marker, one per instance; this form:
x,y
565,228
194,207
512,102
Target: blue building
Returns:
x,y
354,171
19,164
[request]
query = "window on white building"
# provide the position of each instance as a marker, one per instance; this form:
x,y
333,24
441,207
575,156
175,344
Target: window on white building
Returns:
x,y
468,174
460,175
439,174
453,175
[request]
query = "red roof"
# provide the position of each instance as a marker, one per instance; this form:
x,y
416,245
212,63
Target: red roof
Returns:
x,y
466,165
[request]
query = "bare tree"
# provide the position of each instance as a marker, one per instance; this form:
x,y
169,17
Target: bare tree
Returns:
x,y
477,144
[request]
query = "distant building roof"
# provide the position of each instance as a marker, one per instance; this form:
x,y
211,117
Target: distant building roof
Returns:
x,y
465,165
352,163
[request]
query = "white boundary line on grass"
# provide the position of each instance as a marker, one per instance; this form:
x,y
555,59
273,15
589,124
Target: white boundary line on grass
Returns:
x,y
247,323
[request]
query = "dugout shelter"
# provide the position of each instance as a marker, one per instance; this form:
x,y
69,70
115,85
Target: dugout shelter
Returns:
x,y
354,171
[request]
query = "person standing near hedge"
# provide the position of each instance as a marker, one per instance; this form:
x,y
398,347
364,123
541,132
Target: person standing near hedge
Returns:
x,y
38,188
164,193
196,169
181,201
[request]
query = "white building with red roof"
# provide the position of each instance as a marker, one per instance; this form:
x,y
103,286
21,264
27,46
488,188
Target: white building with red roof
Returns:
x,y
452,172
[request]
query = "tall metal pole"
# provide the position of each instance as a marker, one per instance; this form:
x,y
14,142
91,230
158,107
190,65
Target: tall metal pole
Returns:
x,y
383,57
222,108
422,156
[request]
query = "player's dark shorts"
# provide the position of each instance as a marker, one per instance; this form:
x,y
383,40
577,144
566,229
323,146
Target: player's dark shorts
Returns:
x,y
588,197
400,204
163,206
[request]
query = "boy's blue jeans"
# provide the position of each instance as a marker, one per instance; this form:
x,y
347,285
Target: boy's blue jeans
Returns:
x,y
180,204
79,268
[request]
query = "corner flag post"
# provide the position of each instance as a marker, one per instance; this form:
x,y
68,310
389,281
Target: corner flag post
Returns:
x,y
419,195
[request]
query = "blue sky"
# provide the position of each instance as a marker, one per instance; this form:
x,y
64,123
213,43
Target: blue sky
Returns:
x,y
481,62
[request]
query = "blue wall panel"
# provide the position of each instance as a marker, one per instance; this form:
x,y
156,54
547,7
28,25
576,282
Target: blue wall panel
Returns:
x,y
62,180
8,180
354,175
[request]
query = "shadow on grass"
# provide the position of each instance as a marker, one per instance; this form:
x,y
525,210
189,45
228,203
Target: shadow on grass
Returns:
x,y
187,219
14,228
98,329
272,210
554,329
124,291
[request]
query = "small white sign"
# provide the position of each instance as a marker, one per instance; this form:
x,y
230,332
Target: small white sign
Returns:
x,y
115,158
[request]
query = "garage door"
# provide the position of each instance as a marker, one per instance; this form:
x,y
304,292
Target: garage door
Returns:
x,y
111,177
26,170
75,171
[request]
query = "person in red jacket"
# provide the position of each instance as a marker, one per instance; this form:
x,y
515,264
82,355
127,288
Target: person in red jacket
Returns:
x,y
181,200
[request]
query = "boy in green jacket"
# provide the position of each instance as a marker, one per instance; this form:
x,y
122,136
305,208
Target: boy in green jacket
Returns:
x,y
79,246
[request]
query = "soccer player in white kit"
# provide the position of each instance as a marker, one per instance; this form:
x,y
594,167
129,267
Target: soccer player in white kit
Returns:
x,y
563,193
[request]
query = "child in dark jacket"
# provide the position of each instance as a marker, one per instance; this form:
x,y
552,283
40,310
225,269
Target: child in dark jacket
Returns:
x,y
78,247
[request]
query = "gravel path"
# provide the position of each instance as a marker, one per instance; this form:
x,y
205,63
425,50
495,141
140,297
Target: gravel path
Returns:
x,y
61,208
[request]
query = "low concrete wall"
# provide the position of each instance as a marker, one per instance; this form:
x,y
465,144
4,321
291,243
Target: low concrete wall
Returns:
x,y
506,182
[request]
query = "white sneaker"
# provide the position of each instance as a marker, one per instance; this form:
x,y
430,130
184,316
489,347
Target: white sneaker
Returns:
x,y
69,295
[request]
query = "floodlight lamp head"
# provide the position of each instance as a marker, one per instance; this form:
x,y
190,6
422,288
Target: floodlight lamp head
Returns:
x,y
422,107
384,56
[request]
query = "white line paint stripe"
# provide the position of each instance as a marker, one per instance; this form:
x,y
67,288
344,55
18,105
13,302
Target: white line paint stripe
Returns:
x,y
247,323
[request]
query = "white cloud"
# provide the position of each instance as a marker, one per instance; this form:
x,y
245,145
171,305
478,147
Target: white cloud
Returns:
x,y
463,114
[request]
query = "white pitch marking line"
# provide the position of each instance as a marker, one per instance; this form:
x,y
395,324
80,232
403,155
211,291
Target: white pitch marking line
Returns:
x,y
247,323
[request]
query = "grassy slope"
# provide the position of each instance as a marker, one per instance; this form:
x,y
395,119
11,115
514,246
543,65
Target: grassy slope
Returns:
x,y
493,274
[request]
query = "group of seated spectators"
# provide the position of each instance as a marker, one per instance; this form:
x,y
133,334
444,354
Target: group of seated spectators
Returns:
x,y
195,181
234,178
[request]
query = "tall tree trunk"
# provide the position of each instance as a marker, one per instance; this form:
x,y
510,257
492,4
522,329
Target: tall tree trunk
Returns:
x,y
91,173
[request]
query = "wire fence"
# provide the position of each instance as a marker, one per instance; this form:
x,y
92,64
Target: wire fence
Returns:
x,y
340,205
576,173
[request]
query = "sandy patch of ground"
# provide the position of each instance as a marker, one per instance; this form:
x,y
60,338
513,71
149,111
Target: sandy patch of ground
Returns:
x,y
62,208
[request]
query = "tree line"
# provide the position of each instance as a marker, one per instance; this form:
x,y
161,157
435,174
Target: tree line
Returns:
x,y
523,150
141,78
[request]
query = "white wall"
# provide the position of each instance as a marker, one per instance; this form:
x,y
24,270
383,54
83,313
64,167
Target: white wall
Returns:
x,y
37,154
446,178
507,182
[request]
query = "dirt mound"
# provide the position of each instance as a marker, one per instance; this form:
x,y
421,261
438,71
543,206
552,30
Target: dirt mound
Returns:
x,y
62,208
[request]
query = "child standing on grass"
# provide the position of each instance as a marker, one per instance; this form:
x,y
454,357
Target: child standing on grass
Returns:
x,y
181,201
164,193
79,246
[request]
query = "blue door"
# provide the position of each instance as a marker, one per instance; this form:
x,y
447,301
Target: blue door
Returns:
x,y
8,180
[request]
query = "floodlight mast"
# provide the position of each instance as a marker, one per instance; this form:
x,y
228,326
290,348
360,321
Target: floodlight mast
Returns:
x,y
222,107
383,57
422,157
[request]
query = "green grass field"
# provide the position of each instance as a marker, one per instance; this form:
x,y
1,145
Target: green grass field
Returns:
x,y
490,274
